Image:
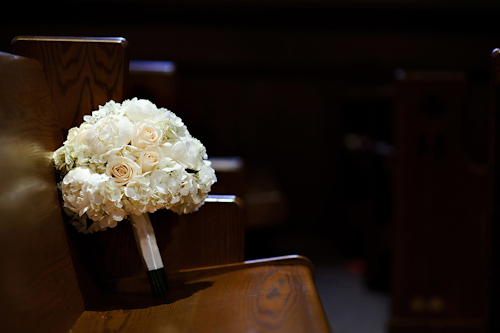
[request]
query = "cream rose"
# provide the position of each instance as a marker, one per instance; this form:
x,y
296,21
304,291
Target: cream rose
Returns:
x,y
122,169
140,109
146,133
149,158
109,133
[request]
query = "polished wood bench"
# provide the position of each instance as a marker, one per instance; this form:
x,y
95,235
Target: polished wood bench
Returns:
x,y
272,295
49,282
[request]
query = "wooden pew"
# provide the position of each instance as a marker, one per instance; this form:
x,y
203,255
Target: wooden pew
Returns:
x,y
49,285
39,288
441,208
162,82
82,72
153,80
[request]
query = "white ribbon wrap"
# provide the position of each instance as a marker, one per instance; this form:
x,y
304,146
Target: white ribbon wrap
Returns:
x,y
146,241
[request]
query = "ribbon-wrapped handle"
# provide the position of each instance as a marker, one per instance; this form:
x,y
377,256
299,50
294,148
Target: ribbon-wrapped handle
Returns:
x,y
148,248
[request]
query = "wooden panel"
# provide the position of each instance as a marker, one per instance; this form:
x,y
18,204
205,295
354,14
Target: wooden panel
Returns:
x,y
38,286
82,73
440,209
214,235
262,296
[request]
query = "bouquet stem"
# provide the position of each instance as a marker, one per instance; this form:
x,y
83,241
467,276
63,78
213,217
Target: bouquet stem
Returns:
x,y
159,282
150,254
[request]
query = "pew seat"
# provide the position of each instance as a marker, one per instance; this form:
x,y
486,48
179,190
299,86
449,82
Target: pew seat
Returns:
x,y
271,295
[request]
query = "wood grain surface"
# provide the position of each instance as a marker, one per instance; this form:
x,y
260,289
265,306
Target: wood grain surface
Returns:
x,y
82,73
275,295
38,286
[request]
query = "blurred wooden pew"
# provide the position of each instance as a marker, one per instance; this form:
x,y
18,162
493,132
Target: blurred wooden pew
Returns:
x,y
266,204
441,208
55,280
153,80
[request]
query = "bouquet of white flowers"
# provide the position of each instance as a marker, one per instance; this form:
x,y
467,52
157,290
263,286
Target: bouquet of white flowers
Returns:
x,y
127,160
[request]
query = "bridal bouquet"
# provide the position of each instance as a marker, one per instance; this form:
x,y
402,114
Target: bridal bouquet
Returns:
x,y
127,160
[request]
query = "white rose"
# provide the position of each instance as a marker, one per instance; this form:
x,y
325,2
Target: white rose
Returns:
x,y
77,135
109,133
180,152
122,169
149,158
146,133
75,197
140,109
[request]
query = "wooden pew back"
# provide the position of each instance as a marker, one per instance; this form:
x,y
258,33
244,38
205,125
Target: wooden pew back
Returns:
x,y
38,289
82,72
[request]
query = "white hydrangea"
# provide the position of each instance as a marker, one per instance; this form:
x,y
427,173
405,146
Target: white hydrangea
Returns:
x,y
130,158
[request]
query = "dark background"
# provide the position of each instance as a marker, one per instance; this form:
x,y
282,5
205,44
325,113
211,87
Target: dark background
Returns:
x,y
301,90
